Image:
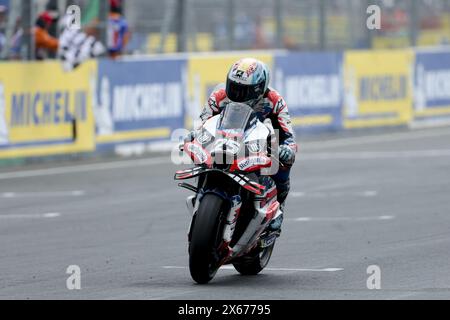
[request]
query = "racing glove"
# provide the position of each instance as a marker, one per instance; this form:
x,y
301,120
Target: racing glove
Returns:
x,y
190,137
286,155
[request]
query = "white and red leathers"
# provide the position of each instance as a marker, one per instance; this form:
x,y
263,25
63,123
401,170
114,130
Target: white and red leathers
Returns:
x,y
271,106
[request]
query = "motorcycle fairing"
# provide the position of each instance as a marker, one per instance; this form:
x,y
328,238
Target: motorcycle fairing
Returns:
x,y
242,179
266,207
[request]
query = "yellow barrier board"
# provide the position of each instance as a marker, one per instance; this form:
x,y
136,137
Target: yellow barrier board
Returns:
x,y
45,111
201,42
317,120
377,88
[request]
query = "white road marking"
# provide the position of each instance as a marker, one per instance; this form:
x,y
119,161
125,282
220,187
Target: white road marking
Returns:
x,y
300,194
428,124
326,219
156,294
370,193
403,296
85,168
8,195
272,269
301,219
331,185
51,215
368,155
391,137
30,216
75,193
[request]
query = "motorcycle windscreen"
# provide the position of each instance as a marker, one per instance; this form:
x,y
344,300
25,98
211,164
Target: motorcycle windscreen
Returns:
x,y
235,119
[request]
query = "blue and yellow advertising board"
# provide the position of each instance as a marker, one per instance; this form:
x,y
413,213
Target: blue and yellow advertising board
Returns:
x,y
104,104
432,85
311,84
44,111
377,88
138,101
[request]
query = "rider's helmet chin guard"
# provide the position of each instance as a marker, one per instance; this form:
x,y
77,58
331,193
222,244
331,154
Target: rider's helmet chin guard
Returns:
x,y
247,81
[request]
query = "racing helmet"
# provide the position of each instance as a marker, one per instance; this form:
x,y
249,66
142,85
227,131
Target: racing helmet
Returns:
x,y
247,81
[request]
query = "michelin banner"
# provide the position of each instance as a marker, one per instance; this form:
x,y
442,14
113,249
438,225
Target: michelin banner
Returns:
x,y
377,88
44,111
432,86
311,84
139,101
135,103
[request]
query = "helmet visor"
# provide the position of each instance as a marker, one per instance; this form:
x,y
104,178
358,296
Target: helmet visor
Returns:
x,y
238,92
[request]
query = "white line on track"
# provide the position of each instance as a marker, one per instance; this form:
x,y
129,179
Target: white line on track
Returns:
x,y
330,219
314,194
370,155
272,269
49,215
392,137
75,193
85,168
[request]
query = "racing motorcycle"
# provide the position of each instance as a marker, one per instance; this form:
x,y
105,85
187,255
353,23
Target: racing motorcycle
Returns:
x,y
235,198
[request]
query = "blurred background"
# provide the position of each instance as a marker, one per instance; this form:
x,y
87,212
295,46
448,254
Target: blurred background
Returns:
x,y
215,25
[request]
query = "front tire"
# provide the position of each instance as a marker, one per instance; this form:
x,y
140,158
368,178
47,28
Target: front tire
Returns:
x,y
205,238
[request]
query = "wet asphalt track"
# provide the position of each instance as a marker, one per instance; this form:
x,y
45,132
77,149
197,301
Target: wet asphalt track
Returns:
x,y
380,200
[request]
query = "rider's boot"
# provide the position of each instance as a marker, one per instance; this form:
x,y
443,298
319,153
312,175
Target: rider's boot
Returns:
x,y
273,230
275,224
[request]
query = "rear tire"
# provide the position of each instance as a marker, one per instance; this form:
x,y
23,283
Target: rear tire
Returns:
x,y
205,239
254,262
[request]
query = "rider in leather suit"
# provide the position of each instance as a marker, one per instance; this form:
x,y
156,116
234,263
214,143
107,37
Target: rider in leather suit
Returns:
x,y
248,82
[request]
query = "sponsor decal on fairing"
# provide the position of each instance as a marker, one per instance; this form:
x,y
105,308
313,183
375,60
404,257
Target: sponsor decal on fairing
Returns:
x,y
197,151
250,162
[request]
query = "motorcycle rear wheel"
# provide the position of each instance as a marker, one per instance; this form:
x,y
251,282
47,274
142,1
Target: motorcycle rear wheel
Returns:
x,y
254,262
205,237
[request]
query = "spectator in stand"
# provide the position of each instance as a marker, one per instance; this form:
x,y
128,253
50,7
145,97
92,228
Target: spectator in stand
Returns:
x,y
16,41
52,10
45,43
118,32
3,15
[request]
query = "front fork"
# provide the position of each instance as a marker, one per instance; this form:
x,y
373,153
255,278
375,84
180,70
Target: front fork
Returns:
x,y
233,214
264,213
192,204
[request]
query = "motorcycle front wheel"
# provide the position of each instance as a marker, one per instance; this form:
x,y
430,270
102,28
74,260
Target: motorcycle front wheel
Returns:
x,y
205,239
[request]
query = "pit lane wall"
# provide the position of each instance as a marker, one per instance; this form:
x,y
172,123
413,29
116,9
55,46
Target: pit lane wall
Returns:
x,y
127,106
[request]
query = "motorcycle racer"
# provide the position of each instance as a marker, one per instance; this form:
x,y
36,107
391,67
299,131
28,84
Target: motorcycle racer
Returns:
x,y
248,82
